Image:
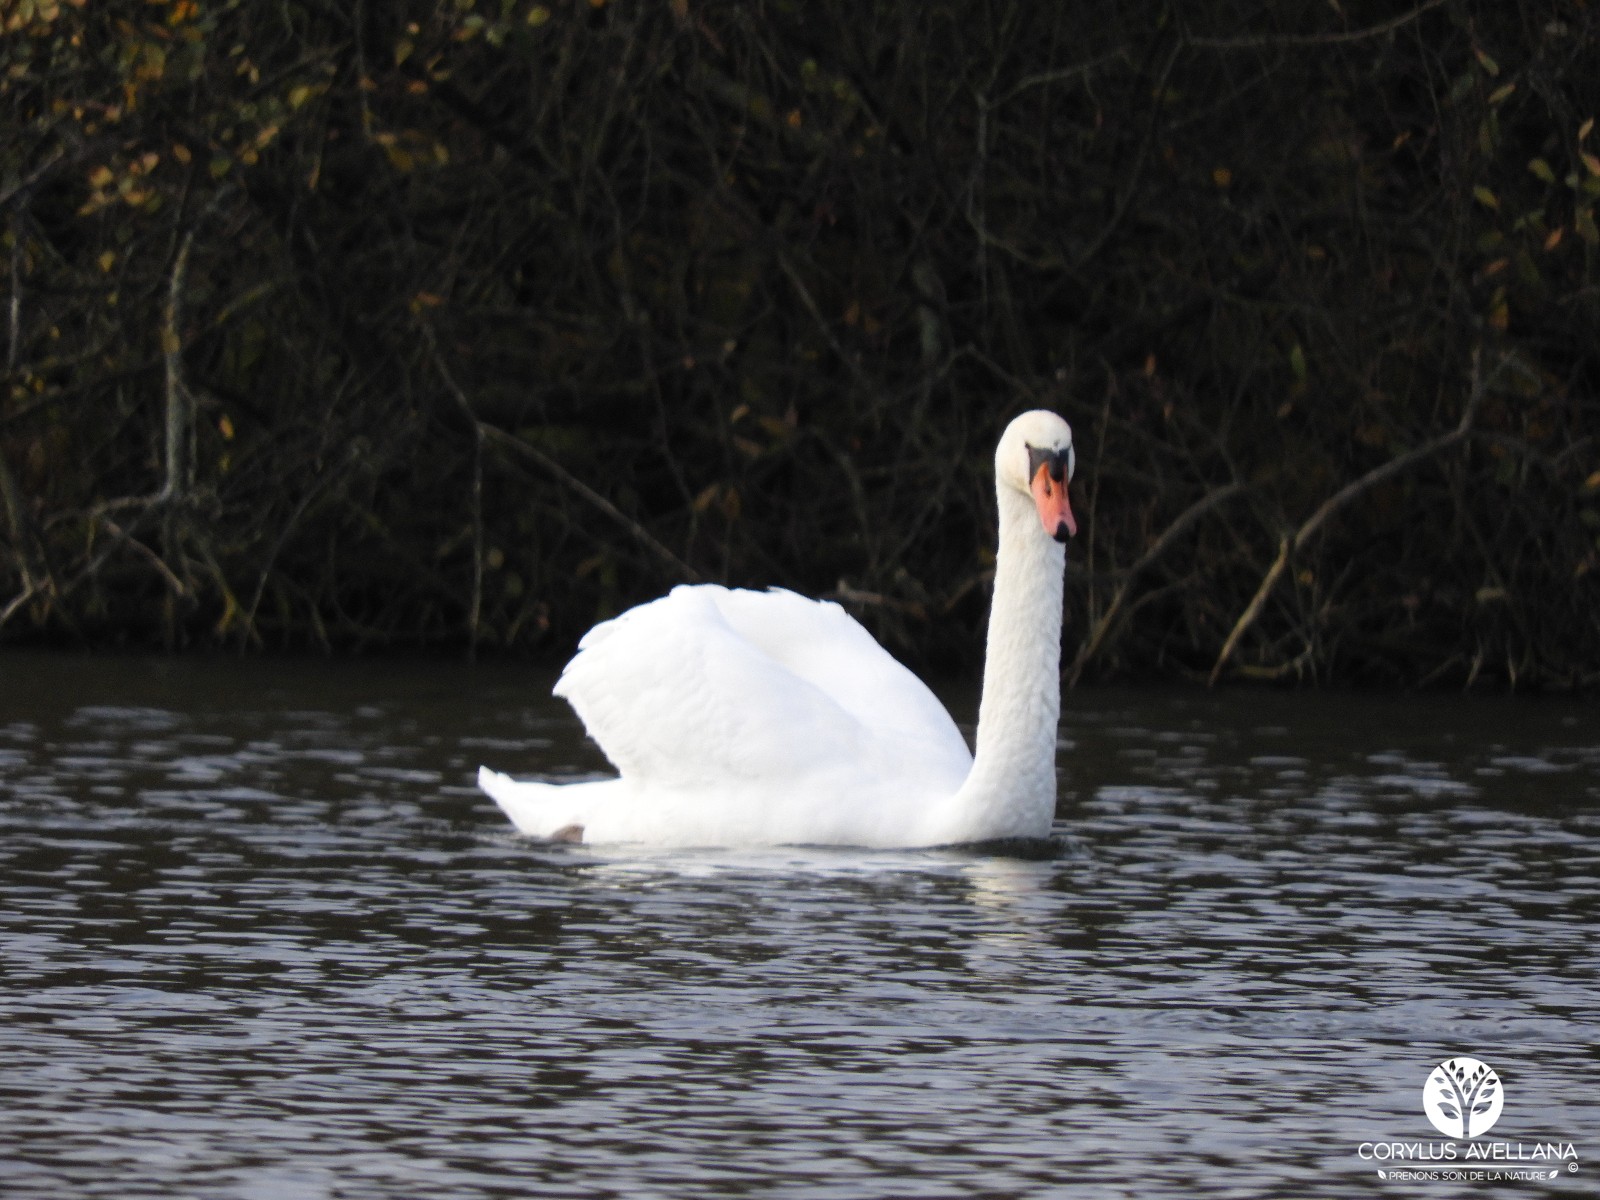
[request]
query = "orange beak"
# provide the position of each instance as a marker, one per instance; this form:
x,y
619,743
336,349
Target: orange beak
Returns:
x,y
1050,497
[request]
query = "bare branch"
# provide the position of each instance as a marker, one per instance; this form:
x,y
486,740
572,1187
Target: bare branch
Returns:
x,y
644,537
1253,609
500,437
475,609
180,402
1162,544
1278,41
1290,545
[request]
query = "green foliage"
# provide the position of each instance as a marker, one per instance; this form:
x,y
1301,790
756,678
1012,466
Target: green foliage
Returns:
x,y
746,290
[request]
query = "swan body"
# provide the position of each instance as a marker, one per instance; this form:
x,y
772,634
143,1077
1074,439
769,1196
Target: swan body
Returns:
x,y
764,718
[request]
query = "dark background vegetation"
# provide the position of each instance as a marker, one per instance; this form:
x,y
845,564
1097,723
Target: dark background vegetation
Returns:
x,y
353,324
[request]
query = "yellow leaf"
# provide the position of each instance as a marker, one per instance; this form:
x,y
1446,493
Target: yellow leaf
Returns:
x,y
1591,163
182,153
1297,362
1554,240
1487,63
1500,317
1222,177
225,427
108,260
1583,130
1542,169
1592,484
299,94
1486,198
101,177
538,15
1501,93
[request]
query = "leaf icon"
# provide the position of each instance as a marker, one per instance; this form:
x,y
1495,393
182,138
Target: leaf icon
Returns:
x,y
1381,1175
1450,1110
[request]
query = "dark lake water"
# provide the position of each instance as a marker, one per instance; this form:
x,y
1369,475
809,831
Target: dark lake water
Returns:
x,y
261,938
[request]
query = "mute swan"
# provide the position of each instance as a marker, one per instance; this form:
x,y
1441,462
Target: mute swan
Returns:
x,y
765,718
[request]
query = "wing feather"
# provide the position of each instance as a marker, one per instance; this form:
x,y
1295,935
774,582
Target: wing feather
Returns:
x,y
828,648
708,685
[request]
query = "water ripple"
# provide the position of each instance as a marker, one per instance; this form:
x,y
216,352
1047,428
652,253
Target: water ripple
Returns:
x,y
262,938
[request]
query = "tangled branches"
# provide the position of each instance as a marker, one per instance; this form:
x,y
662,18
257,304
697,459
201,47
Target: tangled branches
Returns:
x,y
459,325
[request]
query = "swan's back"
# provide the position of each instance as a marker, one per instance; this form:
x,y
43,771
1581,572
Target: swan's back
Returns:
x,y
762,699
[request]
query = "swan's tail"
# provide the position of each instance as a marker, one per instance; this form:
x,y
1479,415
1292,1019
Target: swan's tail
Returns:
x,y
543,810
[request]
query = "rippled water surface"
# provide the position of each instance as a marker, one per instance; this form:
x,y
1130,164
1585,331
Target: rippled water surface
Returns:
x,y
261,938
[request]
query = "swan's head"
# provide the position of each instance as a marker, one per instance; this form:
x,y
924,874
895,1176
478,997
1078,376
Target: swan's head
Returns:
x,y
1035,457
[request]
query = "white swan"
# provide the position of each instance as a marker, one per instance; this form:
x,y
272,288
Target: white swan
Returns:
x,y
764,718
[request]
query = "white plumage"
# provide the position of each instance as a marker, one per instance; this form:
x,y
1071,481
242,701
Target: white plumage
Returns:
x,y
746,718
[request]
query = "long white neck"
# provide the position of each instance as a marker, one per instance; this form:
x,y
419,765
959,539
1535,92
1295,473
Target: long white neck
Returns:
x,y
1011,790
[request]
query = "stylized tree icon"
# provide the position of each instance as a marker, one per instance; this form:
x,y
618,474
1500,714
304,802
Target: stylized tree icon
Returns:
x,y
1460,1089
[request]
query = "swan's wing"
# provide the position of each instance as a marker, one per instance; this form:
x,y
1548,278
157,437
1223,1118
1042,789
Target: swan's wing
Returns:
x,y
825,646
708,685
